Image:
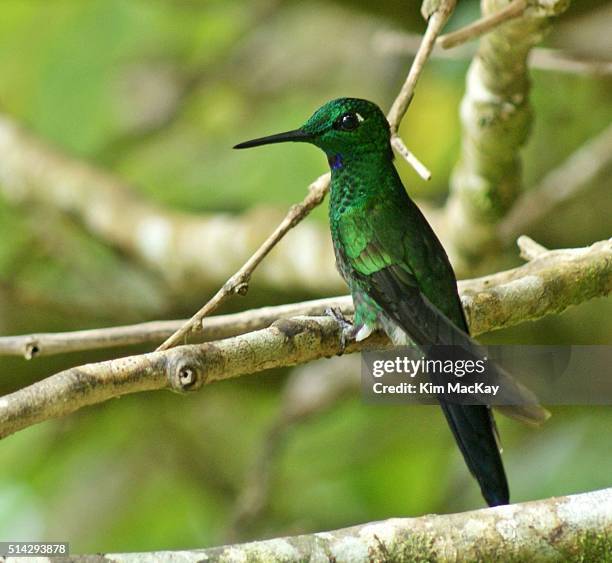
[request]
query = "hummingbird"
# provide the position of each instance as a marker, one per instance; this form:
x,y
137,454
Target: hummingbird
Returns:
x,y
396,268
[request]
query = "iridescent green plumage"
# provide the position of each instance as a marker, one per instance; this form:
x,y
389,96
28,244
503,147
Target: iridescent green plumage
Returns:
x,y
396,268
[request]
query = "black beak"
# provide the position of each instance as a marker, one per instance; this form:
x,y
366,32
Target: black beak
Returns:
x,y
296,136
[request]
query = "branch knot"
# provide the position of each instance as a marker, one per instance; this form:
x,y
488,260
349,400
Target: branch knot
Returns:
x,y
186,372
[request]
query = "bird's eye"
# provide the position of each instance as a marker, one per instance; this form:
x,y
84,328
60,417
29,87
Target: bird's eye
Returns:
x,y
347,122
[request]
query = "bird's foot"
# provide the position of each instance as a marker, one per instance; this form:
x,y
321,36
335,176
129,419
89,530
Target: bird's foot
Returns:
x,y
347,329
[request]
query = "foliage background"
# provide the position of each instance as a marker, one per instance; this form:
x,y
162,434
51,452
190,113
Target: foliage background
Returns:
x,y
157,92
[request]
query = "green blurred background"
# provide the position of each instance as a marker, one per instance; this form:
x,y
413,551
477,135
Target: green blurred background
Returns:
x,y
157,91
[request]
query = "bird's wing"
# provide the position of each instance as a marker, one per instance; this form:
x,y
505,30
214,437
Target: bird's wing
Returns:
x,y
395,265
404,275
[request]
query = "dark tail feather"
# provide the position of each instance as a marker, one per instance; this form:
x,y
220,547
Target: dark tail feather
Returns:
x,y
397,292
474,430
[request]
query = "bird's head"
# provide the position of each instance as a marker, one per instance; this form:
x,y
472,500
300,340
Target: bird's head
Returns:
x,y
345,126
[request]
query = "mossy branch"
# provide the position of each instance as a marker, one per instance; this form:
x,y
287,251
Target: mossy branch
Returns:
x,y
570,528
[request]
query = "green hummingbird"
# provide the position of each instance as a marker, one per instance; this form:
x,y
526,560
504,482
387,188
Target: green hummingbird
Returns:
x,y
395,266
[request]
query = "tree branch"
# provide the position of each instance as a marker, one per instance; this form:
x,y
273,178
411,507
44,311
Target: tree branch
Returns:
x,y
529,248
558,61
398,144
549,283
483,25
571,528
496,118
219,326
32,171
540,58
224,326
437,17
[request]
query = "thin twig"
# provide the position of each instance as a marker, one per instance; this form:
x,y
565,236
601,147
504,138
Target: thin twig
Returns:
x,y
550,283
482,25
434,27
402,149
239,282
530,249
541,58
216,327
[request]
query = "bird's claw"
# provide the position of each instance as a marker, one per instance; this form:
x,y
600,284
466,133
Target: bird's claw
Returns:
x,y
347,329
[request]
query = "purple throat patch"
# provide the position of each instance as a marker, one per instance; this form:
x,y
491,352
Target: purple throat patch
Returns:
x,y
335,161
